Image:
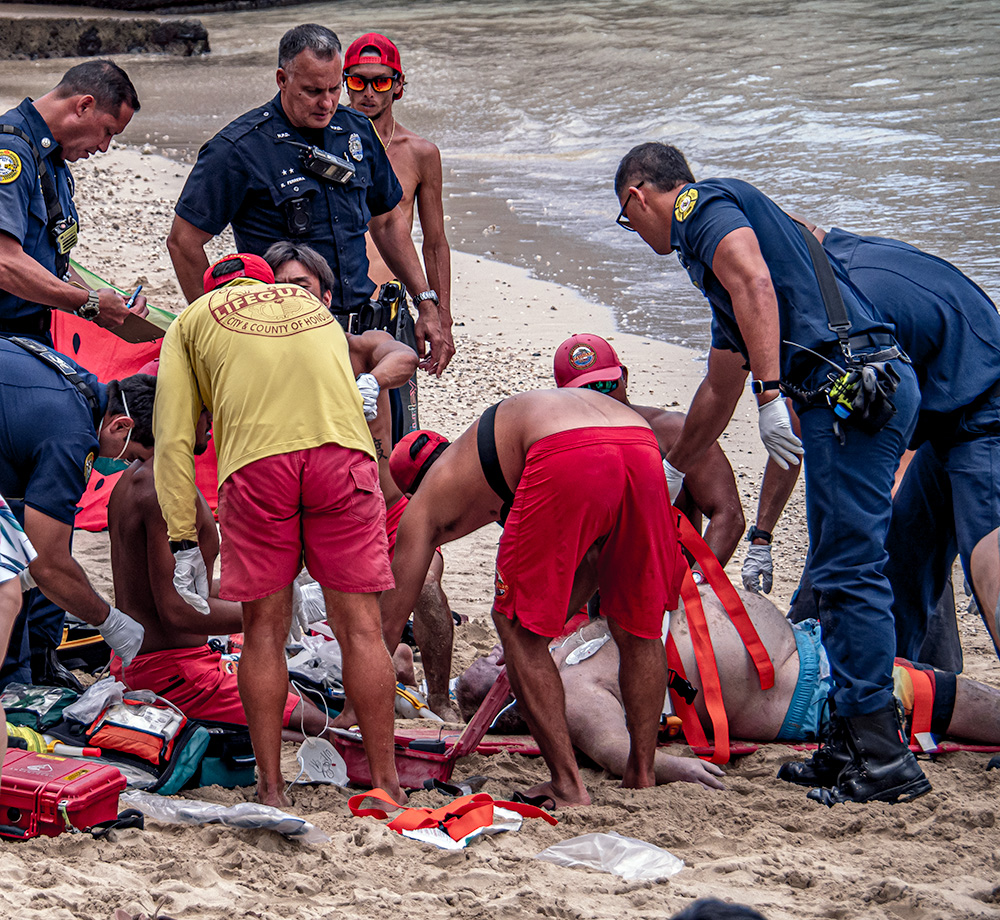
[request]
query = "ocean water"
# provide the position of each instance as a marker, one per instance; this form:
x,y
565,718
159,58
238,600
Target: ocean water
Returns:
x,y
877,118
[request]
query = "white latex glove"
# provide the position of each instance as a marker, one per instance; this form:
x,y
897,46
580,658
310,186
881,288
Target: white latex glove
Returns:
x,y
777,434
123,634
758,571
369,389
308,607
27,582
191,578
675,479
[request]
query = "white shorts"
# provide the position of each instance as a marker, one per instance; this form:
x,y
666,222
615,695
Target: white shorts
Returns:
x,y
16,550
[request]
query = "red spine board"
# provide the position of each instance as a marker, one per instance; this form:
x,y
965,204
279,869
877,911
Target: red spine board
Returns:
x,y
40,793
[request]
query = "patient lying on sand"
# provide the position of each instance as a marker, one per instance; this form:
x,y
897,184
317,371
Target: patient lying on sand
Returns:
x,y
792,710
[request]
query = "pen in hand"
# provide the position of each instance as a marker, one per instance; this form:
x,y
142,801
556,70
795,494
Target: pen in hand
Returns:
x,y
131,301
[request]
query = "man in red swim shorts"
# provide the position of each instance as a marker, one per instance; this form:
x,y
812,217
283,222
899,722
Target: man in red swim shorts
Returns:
x,y
299,484
568,472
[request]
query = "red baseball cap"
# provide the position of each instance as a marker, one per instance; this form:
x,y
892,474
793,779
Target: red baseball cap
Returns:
x,y
237,265
413,456
583,359
373,48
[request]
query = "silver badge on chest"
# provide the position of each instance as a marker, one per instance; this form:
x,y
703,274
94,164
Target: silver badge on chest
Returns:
x,y
354,146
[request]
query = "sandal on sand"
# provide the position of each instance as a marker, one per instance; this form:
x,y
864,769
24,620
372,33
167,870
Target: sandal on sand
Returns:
x,y
545,802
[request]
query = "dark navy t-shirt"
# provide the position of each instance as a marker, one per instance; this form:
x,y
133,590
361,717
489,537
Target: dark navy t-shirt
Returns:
x,y
707,211
250,176
22,206
944,322
48,433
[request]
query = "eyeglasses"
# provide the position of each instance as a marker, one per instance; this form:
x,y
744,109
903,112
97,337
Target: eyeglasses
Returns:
x,y
602,386
622,220
358,84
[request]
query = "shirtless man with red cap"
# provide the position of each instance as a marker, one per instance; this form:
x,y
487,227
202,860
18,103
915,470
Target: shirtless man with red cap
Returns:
x,y
568,471
373,78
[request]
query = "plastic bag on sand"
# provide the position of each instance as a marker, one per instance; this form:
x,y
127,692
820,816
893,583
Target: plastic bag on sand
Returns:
x,y
246,815
625,856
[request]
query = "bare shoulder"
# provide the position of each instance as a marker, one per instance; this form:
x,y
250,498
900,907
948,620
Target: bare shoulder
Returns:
x,y
662,421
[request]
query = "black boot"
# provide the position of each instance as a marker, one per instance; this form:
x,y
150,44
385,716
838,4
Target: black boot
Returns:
x,y
823,768
882,769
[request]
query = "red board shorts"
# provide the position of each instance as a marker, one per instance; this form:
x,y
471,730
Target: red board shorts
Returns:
x,y
580,486
392,517
322,505
196,680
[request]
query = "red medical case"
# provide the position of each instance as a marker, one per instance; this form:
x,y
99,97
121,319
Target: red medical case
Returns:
x,y
48,794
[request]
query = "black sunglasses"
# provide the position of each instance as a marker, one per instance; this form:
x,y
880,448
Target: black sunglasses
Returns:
x,y
602,386
621,219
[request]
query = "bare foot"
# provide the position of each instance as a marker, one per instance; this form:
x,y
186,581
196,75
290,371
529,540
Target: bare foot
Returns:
x,y
445,707
275,796
638,779
346,717
561,798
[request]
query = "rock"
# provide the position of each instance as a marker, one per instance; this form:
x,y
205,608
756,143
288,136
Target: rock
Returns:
x,y
45,37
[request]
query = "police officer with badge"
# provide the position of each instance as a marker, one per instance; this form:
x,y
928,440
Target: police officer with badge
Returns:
x,y
300,168
57,423
92,103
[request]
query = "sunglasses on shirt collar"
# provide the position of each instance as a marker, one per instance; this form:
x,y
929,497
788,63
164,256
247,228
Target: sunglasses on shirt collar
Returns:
x,y
358,84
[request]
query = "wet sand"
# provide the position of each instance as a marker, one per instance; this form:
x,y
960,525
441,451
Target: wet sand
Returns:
x,y
760,842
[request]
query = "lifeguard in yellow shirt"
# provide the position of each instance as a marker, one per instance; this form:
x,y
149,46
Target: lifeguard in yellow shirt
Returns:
x,y
298,483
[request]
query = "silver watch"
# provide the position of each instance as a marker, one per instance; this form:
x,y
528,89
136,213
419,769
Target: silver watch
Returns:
x,y
91,307
427,295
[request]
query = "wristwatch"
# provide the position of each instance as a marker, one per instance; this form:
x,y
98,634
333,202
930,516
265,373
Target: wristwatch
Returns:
x,y
177,546
755,533
762,386
91,307
427,295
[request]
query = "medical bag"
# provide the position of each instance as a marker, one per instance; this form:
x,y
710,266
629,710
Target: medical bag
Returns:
x,y
48,794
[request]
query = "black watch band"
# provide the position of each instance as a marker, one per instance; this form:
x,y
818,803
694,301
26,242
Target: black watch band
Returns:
x,y
177,546
755,533
762,386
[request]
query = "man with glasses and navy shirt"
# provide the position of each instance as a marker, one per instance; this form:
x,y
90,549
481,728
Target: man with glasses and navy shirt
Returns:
x,y
373,77
301,168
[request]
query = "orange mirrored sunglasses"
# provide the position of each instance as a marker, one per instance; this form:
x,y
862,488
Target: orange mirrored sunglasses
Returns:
x,y
358,84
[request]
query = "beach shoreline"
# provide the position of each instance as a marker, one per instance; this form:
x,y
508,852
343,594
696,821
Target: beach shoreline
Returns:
x,y
760,842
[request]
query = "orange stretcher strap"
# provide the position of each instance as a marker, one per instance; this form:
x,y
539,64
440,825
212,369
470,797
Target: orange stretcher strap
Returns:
x,y
923,702
708,670
690,723
715,575
457,819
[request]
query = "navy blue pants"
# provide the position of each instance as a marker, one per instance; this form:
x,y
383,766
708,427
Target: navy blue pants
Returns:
x,y
948,501
848,507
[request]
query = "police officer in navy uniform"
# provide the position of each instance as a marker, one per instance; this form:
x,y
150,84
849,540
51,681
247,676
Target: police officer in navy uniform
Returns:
x,y
92,103
260,175
753,264
56,422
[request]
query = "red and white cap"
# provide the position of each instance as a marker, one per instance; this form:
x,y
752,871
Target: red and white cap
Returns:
x,y
237,265
373,48
583,359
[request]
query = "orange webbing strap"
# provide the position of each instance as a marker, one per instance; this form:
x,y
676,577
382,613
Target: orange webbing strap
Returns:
x,y
724,590
923,700
458,818
704,654
693,732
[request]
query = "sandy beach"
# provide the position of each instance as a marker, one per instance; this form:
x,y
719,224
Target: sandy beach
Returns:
x,y
759,842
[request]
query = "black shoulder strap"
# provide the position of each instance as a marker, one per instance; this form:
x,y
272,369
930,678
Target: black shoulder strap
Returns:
x,y
489,459
836,312
58,363
52,206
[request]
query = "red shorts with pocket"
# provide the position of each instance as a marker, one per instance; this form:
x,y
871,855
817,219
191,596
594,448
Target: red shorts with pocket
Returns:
x,y
198,681
322,505
580,486
392,517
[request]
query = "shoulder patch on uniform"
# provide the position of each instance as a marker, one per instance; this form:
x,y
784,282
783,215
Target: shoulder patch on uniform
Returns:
x,y
88,465
685,203
10,166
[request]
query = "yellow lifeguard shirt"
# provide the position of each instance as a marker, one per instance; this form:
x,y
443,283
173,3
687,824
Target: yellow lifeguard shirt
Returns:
x,y
271,364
